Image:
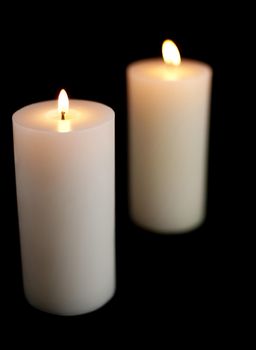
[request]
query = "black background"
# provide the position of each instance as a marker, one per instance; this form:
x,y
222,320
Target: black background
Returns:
x,y
183,279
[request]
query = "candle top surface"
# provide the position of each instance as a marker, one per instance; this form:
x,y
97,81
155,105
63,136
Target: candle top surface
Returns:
x,y
156,69
82,115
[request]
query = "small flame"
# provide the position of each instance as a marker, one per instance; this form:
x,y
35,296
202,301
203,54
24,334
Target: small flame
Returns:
x,y
63,103
171,53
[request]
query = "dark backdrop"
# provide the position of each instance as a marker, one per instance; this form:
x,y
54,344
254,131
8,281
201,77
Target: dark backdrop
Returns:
x,y
86,49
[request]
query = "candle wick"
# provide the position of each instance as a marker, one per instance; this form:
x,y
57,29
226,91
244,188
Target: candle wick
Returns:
x,y
62,115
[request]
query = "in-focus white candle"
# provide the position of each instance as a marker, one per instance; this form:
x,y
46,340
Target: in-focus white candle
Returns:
x,y
168,107
64,162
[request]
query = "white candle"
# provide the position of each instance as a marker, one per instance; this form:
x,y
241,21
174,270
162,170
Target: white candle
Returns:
x,y
65,192
168,105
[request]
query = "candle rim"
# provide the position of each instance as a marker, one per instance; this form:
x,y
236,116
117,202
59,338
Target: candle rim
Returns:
x,y
202,67
105,115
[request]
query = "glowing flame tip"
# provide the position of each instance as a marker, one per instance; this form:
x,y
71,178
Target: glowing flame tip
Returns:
x,y
63,102
170,53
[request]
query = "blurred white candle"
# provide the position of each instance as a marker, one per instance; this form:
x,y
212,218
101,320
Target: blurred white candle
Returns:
x,y
168,106
65,191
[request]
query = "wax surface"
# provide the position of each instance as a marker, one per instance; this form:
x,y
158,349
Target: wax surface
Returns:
x,y
168,111
65,192
82,115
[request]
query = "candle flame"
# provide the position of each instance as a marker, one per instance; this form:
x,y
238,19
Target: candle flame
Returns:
x,y
63,102
171,53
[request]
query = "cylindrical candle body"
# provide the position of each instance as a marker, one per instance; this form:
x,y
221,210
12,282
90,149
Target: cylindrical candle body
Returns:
x,y
65,193
168,136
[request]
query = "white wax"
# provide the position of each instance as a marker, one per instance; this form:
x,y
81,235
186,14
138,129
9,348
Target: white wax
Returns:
x,y
168,110
65,191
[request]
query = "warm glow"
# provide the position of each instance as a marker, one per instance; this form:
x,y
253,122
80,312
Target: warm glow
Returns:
x,y
64,126
63,102
171,53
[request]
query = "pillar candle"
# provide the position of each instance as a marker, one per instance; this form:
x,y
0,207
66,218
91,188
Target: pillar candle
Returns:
x,y
64,162
168,114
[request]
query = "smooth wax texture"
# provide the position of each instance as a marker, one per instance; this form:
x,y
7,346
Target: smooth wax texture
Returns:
x,y
65,191
168,110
